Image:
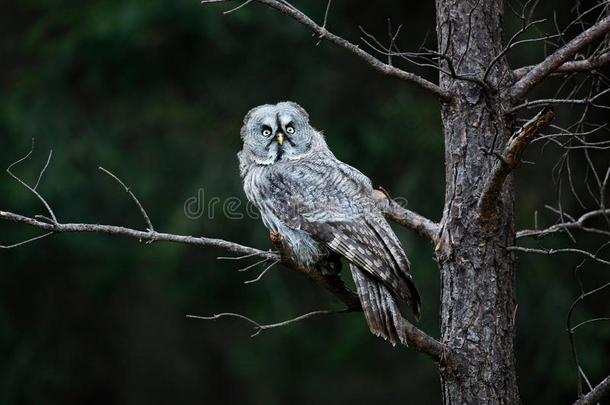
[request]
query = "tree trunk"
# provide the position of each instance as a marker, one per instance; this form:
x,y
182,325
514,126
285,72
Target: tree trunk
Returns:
x,y
477,272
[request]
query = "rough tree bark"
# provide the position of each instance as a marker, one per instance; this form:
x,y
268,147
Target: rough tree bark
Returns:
x,y
477,272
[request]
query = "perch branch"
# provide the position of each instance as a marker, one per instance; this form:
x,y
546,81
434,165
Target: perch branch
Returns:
x,y
322,33
558,58
133,197
573,66
509,160
589,101
579,371
136,234
33,189
404,217
333,283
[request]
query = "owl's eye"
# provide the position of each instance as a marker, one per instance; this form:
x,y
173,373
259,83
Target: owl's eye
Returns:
x,y
266,132
290,129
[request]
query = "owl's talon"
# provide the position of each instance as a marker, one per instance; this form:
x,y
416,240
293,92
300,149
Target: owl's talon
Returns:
x,y
275,237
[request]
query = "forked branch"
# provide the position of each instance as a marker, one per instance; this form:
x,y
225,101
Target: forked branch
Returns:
x,y
333,283
573,66
576,224
601,391
323,33
259,327
509,160
328,280
558,58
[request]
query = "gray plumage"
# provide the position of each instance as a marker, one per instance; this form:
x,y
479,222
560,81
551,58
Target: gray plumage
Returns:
x,y
322,206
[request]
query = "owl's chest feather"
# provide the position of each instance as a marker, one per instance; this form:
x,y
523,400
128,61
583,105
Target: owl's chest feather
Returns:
x,y
277,203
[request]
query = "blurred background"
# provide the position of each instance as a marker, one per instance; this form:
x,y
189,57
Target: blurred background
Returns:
x,y
155,91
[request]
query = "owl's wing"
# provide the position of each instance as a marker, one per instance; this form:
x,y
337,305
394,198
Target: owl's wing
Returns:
x,y
369,243
332,202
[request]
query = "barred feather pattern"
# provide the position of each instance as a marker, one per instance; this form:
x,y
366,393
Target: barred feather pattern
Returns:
x,y
379,306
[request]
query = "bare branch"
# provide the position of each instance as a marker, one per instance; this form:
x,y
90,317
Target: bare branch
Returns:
x,y
554,101
571,335
253,265
244,4
135,234
552,252
262,273
133,197
236,257
578,224
404,217
588,321
574,66
333,283
33,189
322,33
511,43
509,160
330,281
258,327
558,58
602,390
25,242
44,168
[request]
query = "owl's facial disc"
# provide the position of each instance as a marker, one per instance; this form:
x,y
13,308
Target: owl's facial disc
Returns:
x,y
274,133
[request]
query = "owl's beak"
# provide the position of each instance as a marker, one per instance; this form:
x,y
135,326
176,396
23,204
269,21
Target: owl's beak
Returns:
x,y
279,137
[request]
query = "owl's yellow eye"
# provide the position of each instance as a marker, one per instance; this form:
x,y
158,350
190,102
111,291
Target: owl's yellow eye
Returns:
x,y
266,132
290,130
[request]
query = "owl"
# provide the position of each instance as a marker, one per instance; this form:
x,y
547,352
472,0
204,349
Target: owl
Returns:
x,y
325,208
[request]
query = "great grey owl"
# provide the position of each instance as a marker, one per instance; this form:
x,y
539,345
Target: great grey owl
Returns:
x,y
323,207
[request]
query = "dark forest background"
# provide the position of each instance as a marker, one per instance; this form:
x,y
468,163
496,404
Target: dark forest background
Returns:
x,y
155,91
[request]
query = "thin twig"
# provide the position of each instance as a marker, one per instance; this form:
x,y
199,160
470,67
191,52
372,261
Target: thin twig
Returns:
x,y
590,321
554,101
133,197
552,252
558,58
43,169
570,330
258,327
236,257
24,242
33,190
262,273
250,266
585,65
321,31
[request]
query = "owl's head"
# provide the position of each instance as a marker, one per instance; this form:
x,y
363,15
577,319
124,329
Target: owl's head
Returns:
x,y
276,132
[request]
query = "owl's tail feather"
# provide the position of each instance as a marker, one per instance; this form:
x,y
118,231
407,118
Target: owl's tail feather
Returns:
x,y
379,307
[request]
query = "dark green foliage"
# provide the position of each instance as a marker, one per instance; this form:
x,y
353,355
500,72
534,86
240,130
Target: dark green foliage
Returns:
x,y
155,91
